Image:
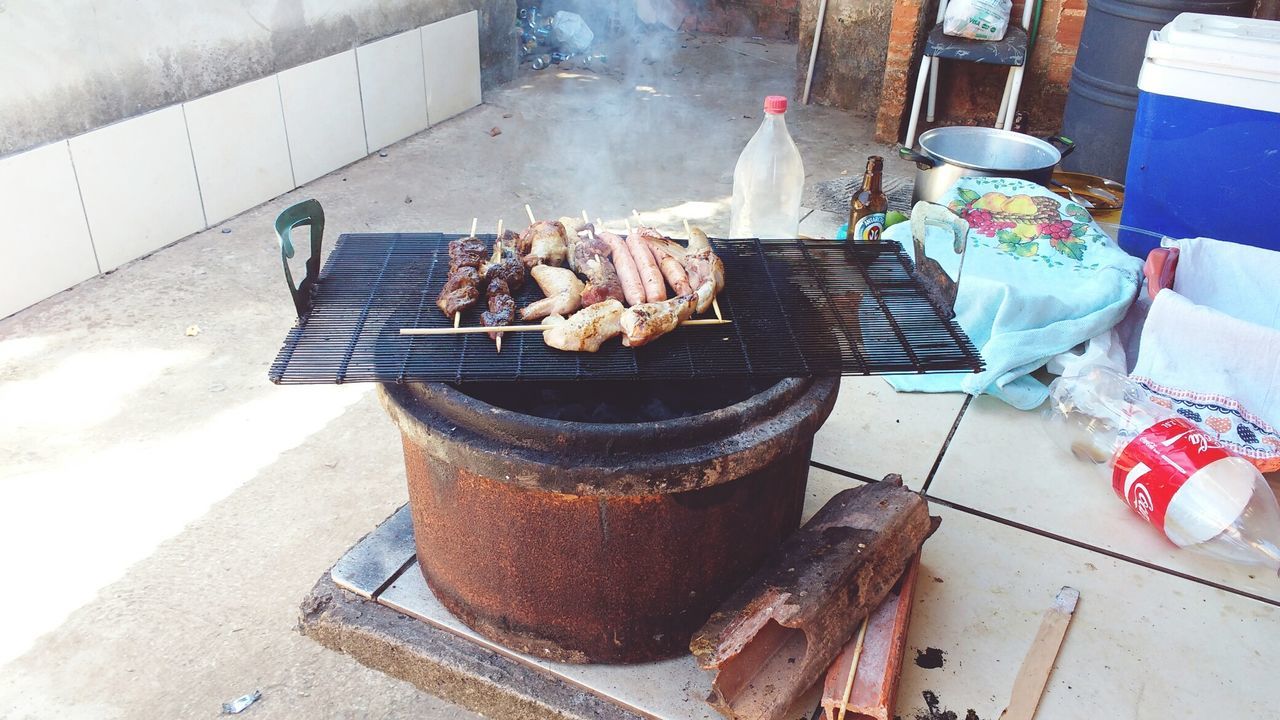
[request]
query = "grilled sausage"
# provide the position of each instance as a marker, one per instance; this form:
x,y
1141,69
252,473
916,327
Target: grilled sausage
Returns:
x,y
655,290
628,274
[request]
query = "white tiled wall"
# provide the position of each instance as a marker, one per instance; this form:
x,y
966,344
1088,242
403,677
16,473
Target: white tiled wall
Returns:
x,y
393,108
322,115
44,242
138,185
153,179
239,143
453,84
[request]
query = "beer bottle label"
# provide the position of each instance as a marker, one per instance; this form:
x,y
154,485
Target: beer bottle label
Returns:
x,y
868,228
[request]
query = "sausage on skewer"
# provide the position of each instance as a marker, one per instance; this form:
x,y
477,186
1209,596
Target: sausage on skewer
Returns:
x,y
628,274
655,290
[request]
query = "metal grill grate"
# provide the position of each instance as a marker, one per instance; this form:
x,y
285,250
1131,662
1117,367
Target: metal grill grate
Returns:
x,y
798,308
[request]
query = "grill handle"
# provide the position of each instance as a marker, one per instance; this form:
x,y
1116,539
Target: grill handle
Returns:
x,y
307,212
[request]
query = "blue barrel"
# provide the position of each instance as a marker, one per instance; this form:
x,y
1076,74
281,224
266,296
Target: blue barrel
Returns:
x,y
1103,94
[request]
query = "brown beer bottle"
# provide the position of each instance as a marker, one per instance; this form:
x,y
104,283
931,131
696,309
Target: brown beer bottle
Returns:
x,y
866,212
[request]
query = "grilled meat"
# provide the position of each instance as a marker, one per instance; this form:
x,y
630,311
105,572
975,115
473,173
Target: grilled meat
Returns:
x,y
544,243
563,292
587,329
645,323
460,291
700,263
628,273
502,307
505,265
466,252
655,290
602,281
585,245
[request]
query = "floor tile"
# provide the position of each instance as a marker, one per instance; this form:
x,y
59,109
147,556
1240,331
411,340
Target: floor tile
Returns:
x,y
1001,461
822,224
393,88
44,242
322,115
1142,644
238,139
451,59
139,185
875,430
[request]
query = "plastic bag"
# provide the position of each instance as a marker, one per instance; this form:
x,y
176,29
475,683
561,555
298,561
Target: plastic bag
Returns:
x,y
571,32
977,19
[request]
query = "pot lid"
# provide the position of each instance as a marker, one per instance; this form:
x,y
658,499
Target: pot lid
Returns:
x,y
989,149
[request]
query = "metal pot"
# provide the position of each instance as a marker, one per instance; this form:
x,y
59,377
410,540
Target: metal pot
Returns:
x,y
950,153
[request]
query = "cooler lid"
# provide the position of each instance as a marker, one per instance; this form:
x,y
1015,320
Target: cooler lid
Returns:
x,y
1211,58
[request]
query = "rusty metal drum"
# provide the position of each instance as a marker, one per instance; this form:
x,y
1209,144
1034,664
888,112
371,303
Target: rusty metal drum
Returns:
x,y
607,542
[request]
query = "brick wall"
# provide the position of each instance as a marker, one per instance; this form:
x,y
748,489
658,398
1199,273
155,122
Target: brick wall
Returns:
x,y
969,93
774,19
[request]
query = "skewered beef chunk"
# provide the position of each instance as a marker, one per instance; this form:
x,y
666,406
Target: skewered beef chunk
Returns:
x,y
502,307
466,252
460,292
602,281
508,268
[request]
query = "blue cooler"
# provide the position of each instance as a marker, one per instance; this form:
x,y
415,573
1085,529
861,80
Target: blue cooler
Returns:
x,y
1205,155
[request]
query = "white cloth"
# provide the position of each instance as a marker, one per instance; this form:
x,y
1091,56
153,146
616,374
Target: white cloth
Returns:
x,y
1219,371
1240,280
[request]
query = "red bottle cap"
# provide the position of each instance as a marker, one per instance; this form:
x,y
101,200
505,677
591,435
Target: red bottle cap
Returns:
x,y
775,104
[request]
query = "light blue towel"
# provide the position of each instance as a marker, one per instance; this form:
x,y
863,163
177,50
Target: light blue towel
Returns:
x,y
1039,278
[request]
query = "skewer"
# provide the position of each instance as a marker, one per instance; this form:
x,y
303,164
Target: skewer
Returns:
x,y
497,255
715,302
529,210
853,670
628,222
523,328
586,220
474,222
457,319
499,229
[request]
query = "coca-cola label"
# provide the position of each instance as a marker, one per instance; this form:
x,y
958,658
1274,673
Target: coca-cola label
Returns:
x,y
1151,468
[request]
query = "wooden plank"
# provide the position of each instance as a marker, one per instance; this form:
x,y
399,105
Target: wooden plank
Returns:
x,y
1028,687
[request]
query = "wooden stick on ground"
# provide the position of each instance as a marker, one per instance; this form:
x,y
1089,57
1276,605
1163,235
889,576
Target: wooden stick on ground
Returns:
x,y
529,210
853,668
1032,677
524,328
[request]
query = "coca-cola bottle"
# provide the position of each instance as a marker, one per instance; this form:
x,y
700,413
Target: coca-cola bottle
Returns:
x,y
1170,472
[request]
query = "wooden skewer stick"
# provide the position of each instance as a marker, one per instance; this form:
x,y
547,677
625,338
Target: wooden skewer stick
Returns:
x,y
853,669
586,220
457,319
474,222
529,210
628,222
523,328
499,229
715,302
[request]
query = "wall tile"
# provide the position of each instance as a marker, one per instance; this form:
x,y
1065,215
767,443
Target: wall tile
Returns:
x,y
451,58
322,115
238,139
44,241
138,184
392,87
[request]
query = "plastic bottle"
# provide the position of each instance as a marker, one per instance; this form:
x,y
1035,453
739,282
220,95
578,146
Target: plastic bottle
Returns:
x,y
768,180
1170,472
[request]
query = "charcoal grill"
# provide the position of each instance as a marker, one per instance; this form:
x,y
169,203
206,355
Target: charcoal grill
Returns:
x,y
799,308
588,537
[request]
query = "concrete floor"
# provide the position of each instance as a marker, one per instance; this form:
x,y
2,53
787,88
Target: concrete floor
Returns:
x,y
164,508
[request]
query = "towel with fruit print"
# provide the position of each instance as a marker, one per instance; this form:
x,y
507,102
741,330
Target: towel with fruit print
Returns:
x,y
1039,277
1026,222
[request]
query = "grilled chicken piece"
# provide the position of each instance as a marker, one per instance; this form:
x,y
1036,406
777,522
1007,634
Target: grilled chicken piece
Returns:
x,y
645,323
587,329
563,292
544,243
602,281
502,307
460,292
